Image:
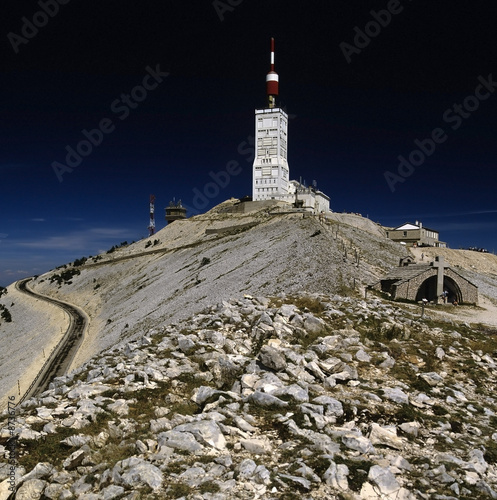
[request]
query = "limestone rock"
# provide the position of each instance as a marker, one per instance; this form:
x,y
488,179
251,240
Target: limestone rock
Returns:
x,y
357,442
295,391
262,399
281,423
179,440
86,390
312,324
203,393
247,467
31,489
386,436
206,431
362,355
384,480
74,460
76,440
439,353
256,446
136,472
272,358
336,476
101,439
332,406
41,471
432,378
304,483
160,424
120,407
396,394
53,491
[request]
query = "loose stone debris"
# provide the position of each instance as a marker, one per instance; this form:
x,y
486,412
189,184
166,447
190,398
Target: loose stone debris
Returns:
x,y
308,396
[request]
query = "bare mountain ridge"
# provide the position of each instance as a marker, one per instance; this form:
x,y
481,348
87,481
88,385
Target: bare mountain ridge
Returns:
x,y
216,256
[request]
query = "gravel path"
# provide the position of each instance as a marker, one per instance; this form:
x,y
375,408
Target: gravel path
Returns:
x,y
61,356
26,342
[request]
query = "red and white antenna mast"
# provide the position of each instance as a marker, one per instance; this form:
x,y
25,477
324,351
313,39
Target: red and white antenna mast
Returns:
x,y
151,226
272,81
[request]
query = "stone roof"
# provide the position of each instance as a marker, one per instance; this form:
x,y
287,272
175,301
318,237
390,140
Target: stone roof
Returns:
x,y
407,273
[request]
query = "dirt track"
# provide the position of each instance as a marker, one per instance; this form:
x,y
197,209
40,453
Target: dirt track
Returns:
x,y
59,360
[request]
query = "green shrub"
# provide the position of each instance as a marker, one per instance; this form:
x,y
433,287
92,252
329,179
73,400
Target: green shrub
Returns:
x,y
209,487
80,262
6,316
439,410
490,454
178,490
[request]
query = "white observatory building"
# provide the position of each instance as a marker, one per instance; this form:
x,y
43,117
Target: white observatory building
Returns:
x,y
270,174
270,169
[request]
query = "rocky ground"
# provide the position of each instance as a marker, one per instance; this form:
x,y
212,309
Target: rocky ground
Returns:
x,y
280,397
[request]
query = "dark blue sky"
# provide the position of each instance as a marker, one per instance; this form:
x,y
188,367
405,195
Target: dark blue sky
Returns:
x,y
356,105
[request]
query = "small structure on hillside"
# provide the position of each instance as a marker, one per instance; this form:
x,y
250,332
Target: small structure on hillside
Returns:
x,y
432,282
309,198
175,211
415,235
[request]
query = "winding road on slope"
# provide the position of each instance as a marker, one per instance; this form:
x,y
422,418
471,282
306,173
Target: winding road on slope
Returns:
x,y
63,353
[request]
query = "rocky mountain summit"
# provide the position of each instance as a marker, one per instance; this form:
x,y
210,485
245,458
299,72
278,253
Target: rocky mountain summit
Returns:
x,y
312,396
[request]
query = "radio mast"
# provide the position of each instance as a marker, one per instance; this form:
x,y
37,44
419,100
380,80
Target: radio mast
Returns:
x,y
151,225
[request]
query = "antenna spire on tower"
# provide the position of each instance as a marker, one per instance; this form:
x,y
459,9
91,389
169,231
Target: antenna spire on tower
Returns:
x,y
151,226
272,80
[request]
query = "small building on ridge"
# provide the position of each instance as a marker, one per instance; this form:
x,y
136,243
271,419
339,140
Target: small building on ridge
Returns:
x,y
415,235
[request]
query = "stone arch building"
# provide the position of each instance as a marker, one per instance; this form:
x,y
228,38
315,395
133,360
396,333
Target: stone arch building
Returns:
x,y
428,281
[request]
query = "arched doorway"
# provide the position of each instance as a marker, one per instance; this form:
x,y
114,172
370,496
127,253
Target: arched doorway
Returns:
x,y
454,291
428,290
